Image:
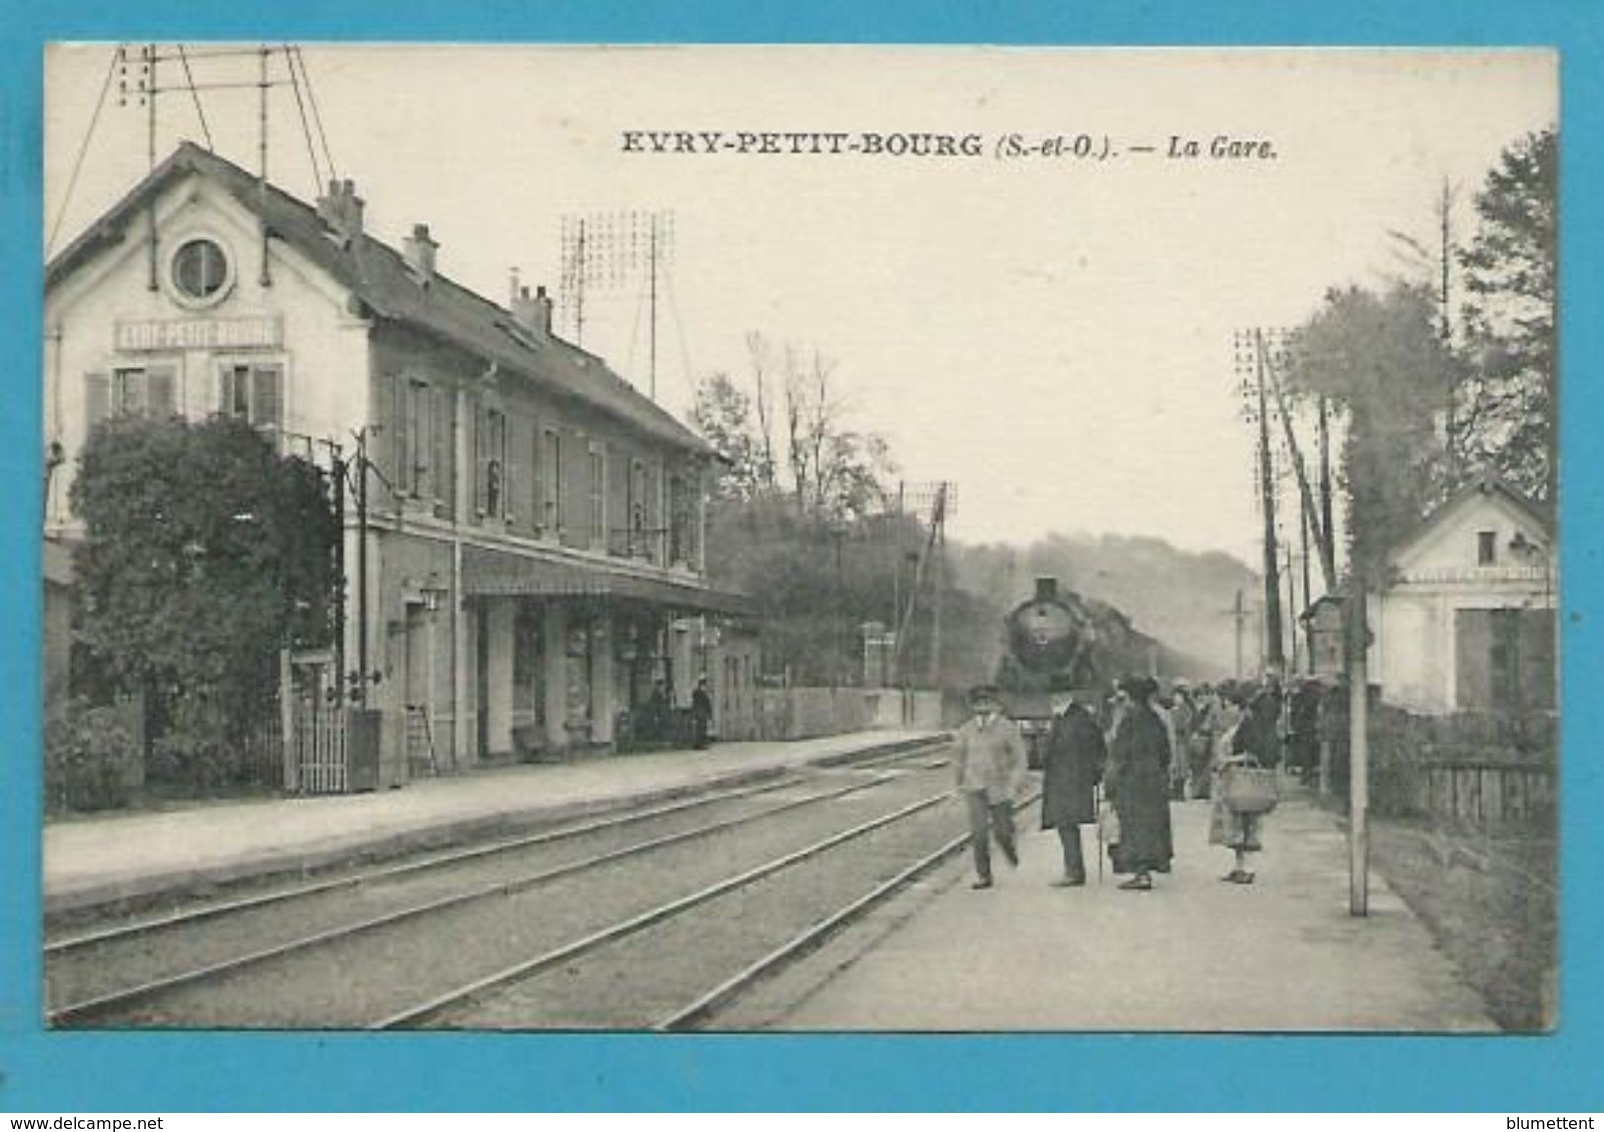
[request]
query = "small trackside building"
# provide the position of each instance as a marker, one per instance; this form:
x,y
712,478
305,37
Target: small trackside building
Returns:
x,y
532,524
1465,622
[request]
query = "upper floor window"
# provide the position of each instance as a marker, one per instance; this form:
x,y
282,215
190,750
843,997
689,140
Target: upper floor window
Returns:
x,y
490,444
415,439
253,391
1486,548
681,525
201,271
598,497
551,492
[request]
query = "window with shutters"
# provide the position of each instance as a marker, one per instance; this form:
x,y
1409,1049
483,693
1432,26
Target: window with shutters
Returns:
x,y
445,452
416,440
681,546
252,391
598,497
490,448
140,391
551,480
645,535
638,521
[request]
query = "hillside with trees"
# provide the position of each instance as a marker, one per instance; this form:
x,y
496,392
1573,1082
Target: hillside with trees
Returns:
x,y
810,520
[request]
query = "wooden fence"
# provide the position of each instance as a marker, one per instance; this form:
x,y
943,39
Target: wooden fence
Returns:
x,y
1485,794
319,761
1491,771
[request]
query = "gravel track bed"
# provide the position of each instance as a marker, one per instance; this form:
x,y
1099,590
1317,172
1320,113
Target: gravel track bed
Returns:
x,y
354,981
643,978
103,968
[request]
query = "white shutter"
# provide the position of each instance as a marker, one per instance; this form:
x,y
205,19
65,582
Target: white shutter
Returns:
x,y
97,399
267,401
160,398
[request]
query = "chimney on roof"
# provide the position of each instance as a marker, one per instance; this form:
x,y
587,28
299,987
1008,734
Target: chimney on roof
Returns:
x,y
543,311
418,250
341,209
532,312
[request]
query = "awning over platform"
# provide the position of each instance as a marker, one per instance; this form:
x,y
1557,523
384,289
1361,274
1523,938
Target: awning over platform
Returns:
x,y
496,573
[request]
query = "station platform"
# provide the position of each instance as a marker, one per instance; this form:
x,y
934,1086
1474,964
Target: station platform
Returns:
x,y
90,862
1282,955
1194,955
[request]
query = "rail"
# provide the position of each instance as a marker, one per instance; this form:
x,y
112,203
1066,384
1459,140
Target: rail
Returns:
x,y
102,1004
689,1017
434,1007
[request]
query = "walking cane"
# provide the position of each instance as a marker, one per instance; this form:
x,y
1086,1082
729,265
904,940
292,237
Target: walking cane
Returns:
x,y
1097,829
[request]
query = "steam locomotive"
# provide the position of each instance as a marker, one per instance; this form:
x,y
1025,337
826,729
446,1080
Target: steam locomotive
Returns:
x,y
1057,642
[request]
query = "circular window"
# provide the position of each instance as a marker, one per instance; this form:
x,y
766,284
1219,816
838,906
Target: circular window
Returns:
x,y
200,270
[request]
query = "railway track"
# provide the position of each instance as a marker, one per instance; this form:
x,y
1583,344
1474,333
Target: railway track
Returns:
x,y
135,973
659,969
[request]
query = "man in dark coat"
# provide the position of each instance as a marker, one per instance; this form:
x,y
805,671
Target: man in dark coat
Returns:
x,y
1139,785
1071,770
701,715
1303,737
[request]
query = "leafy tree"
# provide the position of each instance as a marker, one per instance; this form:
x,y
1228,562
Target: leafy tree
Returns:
x,y
722,413
1381,358
1505,410
204,554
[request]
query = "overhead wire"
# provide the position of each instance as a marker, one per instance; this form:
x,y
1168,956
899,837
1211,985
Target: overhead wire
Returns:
x,y
306,128
317,116
78,165
195,94
679,328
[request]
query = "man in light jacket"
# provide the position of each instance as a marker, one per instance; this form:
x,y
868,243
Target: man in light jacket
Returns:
x,y
990,762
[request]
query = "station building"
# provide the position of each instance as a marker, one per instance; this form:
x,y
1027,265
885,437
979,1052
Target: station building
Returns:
x,y
533,527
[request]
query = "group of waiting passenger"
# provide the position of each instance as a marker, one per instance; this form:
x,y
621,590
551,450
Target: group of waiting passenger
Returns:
x,y
1142,751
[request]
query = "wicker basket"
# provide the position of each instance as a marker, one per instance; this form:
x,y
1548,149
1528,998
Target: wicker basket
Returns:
x,y
1249,789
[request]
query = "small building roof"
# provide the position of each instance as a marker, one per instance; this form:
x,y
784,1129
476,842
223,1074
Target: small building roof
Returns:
x,y
378,276
1487,483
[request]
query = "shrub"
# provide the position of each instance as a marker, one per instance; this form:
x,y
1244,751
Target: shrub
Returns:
x,y
196,755
91,759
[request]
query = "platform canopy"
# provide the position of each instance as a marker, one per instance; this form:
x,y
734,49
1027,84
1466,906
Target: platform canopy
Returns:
x,y
493,573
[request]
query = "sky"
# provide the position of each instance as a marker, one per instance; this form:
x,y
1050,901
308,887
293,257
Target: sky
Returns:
x,y
1050,333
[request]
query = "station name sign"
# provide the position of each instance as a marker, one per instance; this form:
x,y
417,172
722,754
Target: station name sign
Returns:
x,y
199,333
1465,574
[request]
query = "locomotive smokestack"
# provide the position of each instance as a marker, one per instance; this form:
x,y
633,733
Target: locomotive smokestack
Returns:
x,y
1046,589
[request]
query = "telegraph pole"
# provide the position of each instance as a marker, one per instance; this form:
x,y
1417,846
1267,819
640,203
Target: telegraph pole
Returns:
x,y
1240,616
362,568
1275,658
1292,610
1358,642
1328,545
614,250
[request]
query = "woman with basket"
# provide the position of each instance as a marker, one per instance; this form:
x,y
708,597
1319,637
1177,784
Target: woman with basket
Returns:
x,y
1244,790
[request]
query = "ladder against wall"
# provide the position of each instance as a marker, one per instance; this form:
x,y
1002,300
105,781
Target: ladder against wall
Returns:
x,y
421,758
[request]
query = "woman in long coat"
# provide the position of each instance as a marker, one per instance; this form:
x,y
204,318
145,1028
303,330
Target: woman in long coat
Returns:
x,y
1071,770
1139,786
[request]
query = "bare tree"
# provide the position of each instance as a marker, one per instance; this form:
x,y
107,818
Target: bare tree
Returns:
x,y
792,440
